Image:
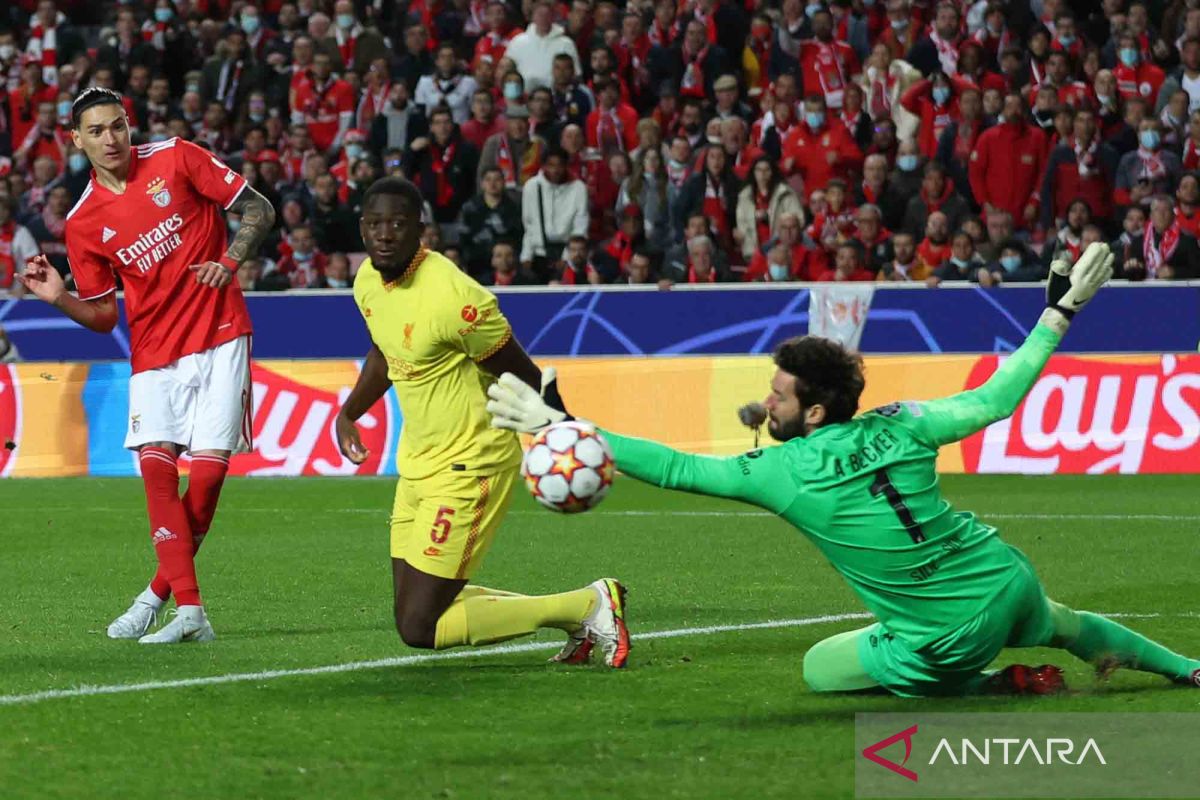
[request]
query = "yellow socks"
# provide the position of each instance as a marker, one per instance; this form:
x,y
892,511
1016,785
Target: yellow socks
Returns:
x,y
487,616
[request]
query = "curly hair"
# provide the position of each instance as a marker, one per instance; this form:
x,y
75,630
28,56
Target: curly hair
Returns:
x,y
826,374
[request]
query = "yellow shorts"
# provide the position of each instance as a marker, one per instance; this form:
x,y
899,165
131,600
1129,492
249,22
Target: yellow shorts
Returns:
x,y
444,524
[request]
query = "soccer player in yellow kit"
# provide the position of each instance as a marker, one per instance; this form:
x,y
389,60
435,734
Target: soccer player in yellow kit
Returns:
x,y
440,339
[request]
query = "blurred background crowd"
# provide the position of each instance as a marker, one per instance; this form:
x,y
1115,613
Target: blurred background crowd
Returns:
x,y
668,141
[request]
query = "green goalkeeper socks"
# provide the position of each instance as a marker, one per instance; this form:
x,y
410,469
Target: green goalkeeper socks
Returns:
x,y
1099,639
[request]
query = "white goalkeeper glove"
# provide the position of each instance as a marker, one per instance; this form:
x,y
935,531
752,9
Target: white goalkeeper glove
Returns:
x,y
517,406
1071,286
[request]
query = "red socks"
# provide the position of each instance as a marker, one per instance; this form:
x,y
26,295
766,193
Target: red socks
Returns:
x,y
200,504
169,527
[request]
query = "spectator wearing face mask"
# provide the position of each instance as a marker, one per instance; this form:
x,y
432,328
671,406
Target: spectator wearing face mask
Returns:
x,y
907,176
820,148
303,263
962,263
785,257
357,46
1015,265
336,275
936,102
1147,171
1135,76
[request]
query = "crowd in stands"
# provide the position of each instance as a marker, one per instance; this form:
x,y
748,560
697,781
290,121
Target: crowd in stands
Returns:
x,y
680,141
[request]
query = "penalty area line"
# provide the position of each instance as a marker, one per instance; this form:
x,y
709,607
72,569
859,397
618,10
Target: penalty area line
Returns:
x,y
399,661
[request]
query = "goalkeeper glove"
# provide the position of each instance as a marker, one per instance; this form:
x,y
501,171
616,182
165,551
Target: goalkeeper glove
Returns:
x,y
517,406
1071,286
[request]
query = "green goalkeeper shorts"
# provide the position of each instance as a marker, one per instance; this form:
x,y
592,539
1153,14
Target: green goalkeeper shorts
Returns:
x,y
1018,616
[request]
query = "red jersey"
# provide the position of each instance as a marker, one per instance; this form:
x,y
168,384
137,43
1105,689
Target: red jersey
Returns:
x,y
323,108
169,218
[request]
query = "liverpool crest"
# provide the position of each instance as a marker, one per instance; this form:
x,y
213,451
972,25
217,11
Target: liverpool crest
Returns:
x,y
157,189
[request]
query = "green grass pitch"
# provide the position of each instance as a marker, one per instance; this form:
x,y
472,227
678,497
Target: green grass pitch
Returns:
x,y
296,575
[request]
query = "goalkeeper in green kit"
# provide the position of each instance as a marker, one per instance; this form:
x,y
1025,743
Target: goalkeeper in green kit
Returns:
x,y
947,592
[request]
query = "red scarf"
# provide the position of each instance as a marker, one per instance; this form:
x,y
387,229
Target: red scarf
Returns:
x,y
947,53
1152,165
1086,159
609,131
659,35
964,145
1071,243
762,216
935,203
155,33
346,47
620,247
1188,223
1155,257
830,73
1191,155
692,277
529,164
441,162
714,205
693,73
45,42
879,101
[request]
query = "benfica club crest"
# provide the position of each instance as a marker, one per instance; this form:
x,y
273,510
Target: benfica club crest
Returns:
x,y
157,189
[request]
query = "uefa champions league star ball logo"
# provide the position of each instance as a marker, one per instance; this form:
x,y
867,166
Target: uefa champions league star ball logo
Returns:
x,y
157,189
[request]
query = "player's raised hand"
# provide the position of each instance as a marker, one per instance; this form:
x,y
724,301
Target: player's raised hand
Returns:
x,y
349,442
213,274
1071,286
42,279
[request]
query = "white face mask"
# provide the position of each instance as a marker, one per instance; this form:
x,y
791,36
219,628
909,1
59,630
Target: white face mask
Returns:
x,y
7,51
778,272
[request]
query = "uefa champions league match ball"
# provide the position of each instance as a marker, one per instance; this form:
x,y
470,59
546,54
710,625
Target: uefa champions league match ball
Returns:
x,y
568,467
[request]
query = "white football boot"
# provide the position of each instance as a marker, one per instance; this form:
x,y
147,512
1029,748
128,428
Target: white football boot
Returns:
x,y
138,618
189,625
605,626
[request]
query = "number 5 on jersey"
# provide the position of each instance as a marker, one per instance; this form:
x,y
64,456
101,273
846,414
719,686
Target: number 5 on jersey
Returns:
x,y
441,525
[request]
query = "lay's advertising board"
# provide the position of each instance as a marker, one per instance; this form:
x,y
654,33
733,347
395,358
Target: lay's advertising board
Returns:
x,y
1107,414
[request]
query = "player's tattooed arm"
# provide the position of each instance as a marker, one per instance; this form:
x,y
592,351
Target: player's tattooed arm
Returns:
x,y
258,218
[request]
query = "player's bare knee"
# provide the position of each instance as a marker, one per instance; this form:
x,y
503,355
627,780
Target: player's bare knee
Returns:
x,y
416,630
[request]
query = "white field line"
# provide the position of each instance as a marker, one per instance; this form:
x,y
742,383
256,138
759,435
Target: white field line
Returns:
x,y
232,508
456,655
399,661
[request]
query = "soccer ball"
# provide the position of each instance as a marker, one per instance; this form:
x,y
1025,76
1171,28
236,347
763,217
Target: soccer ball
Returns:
x,y
568,467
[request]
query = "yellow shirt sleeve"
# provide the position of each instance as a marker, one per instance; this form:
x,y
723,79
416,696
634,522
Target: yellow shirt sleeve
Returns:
x,y
473,323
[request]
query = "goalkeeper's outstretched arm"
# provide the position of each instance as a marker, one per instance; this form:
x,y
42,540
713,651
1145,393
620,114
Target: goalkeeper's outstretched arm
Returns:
x,y
1070,287
759,477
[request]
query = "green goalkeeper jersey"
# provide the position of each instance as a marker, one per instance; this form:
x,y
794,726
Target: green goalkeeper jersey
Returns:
x,y
866,493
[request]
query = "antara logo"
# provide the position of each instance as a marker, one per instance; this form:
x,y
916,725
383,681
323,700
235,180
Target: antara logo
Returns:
x,y
871,753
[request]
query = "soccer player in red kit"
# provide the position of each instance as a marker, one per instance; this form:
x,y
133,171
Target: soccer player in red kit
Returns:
x,y
154,214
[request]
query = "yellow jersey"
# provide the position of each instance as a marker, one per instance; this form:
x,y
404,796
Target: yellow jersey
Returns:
x,y
434,325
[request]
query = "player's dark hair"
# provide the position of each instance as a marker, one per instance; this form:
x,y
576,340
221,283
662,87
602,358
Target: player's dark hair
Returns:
x,y
398,187
90,98
826,373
